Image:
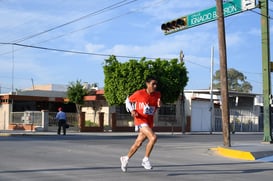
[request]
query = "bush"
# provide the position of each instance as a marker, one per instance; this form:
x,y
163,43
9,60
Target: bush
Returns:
x,y
89,123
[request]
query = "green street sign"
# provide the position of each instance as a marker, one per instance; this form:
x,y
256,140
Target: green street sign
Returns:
x,y
230,7
208,15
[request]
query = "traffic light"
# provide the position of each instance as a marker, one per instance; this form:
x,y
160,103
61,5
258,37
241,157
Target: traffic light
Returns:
x,y
175,25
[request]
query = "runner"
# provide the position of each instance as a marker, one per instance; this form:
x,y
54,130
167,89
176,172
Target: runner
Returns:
x,y
143,104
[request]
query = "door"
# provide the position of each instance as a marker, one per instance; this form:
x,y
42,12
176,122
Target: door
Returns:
x,y
200,116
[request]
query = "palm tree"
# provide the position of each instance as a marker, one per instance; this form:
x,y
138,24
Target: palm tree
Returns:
x,y
75,94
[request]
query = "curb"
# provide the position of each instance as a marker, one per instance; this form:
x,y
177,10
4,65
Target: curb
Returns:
x,y
231,153
5,134
16,134
243,155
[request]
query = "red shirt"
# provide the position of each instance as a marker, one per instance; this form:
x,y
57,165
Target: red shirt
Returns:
x,y
145,106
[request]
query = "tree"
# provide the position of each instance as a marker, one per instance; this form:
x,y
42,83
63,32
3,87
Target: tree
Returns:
x,y
122,79
75,94
236,81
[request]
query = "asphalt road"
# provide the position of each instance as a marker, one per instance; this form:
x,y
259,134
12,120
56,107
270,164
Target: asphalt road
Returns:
x,y
82,157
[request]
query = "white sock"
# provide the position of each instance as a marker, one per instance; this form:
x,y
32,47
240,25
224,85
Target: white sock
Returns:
x,y
145,158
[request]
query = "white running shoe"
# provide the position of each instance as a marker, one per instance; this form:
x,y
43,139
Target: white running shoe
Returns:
x,y
124,163
146,164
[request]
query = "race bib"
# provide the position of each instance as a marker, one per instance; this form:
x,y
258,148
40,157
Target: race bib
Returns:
x,y
148,110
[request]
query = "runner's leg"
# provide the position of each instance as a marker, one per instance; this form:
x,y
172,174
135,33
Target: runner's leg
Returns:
x,y
59,127
148,132
138,142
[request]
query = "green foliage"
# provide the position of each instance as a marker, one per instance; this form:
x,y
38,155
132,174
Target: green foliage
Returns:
x,y
89,123
122,79
75,93
236,81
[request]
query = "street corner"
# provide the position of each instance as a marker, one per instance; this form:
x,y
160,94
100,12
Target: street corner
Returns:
x,y
266,159
233,153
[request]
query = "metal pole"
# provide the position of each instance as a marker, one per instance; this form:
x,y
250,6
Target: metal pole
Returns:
x,y
12,71
266,71
223,73
183,116
211,91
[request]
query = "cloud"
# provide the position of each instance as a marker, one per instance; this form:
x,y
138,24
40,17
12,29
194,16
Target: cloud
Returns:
x,y
94,47
168,10
135,34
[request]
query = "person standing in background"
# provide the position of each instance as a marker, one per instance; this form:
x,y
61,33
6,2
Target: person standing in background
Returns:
x,y
61,118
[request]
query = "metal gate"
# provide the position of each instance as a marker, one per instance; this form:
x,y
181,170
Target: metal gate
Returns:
x,y
241,120
71,119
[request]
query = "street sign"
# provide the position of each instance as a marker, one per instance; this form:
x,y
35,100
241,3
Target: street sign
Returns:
x,y
230,7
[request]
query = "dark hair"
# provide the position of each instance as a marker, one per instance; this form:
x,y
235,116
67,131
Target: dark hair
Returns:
x,y
150,78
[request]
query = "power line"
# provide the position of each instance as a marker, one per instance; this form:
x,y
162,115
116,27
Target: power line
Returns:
x,y
89,26
75,52
203,66
271,18
111,7
252,10
108,8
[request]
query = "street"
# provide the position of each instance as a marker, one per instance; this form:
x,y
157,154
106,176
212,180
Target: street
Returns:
x,y
95,156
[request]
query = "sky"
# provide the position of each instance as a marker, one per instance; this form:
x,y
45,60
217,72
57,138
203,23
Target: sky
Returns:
x,y
90,31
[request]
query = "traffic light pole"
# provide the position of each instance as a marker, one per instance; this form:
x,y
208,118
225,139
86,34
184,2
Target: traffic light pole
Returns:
x,y
266,72
218,13
223,72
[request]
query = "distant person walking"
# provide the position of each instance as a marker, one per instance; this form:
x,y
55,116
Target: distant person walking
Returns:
x,y
61,118
143,104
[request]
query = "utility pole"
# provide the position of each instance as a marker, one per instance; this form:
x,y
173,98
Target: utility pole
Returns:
x,y
266,72
223,72
183,114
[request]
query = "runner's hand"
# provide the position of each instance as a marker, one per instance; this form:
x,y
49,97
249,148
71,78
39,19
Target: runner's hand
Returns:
x,y
134,113
159,102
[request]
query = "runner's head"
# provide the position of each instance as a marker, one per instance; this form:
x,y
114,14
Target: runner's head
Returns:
x,y
151,84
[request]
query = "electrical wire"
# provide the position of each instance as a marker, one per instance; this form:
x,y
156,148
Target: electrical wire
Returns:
x,y
194,63
86,27
108,8
103,10
76,52
253,10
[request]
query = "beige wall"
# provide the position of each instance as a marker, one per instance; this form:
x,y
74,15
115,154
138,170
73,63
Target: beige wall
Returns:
x,y
89,114
5,110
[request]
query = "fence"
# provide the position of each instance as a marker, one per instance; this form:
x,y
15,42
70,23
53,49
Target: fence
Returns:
x,y
27,117
124,120
167,120
71,119
91,120
241,120
27,120
47,121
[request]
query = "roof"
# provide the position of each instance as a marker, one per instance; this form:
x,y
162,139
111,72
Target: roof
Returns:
x,y
218,92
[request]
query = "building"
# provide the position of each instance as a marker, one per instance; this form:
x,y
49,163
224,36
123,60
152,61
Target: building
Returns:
x,y
203,108
14,106
198,111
